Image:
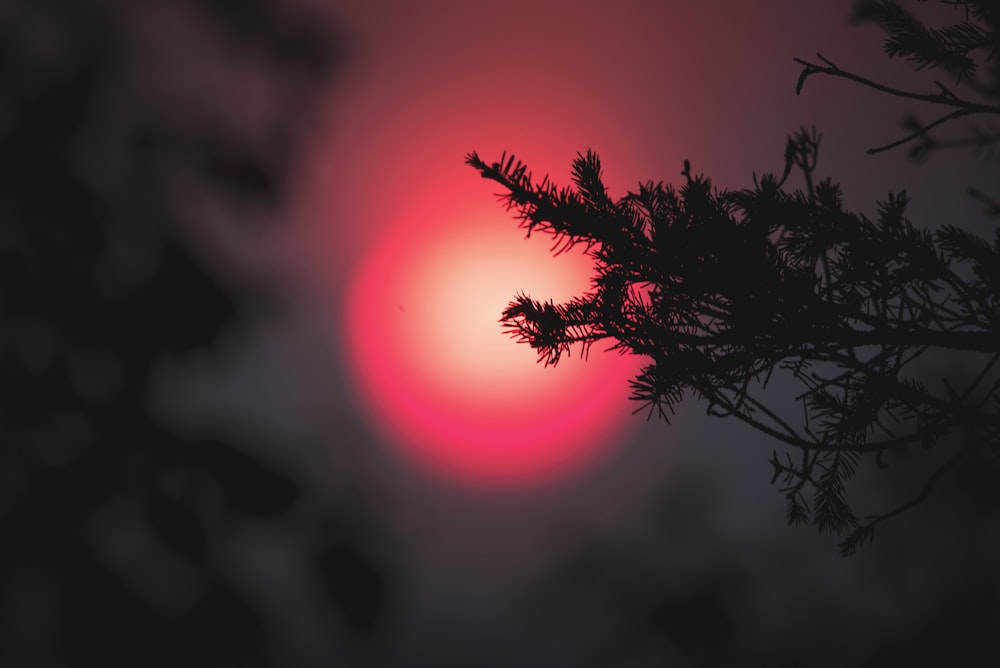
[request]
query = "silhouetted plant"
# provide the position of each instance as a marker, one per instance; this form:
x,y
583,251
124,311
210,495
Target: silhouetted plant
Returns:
x,y
722,290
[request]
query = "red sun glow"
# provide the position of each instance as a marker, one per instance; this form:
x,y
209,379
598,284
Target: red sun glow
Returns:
x,y
441,379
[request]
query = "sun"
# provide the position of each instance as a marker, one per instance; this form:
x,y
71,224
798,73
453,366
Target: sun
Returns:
x,y
439,378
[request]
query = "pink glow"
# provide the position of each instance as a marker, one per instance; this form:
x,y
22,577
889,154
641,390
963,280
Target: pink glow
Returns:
x,y
436,372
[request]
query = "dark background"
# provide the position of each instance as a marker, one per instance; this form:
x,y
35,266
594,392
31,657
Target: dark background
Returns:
x,y
186,475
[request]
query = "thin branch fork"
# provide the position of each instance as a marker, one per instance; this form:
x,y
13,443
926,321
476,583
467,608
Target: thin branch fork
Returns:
x,y
945,97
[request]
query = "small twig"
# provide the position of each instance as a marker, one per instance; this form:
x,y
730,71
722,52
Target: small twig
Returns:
x,y
924,493
922,131
945,97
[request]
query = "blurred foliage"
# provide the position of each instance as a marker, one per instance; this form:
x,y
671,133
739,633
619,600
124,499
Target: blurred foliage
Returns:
x,y
123,126
686,593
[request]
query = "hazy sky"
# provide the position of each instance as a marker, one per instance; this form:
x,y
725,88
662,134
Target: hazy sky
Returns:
x,y
646,85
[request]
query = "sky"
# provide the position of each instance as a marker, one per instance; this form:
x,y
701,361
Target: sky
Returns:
x,y
382,194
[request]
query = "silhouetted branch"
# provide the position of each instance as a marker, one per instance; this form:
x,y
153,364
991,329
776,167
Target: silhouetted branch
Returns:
x,y
738,285
920,132
865,532
944,96
722,290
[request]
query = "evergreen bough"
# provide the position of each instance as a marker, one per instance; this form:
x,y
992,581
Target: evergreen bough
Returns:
x,y
721,291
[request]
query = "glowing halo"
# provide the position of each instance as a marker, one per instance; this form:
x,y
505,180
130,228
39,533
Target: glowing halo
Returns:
x,y
440,379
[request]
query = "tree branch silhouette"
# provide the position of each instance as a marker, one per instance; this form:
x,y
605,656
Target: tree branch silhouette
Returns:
x,y
723,290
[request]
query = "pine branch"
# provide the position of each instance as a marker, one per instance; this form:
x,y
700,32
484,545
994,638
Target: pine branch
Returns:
x,y
739,285
721,291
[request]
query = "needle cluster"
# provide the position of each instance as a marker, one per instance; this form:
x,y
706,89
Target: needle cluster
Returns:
x,y
723,291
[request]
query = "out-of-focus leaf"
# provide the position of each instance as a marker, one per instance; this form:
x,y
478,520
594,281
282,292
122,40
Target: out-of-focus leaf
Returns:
x,y
354,583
